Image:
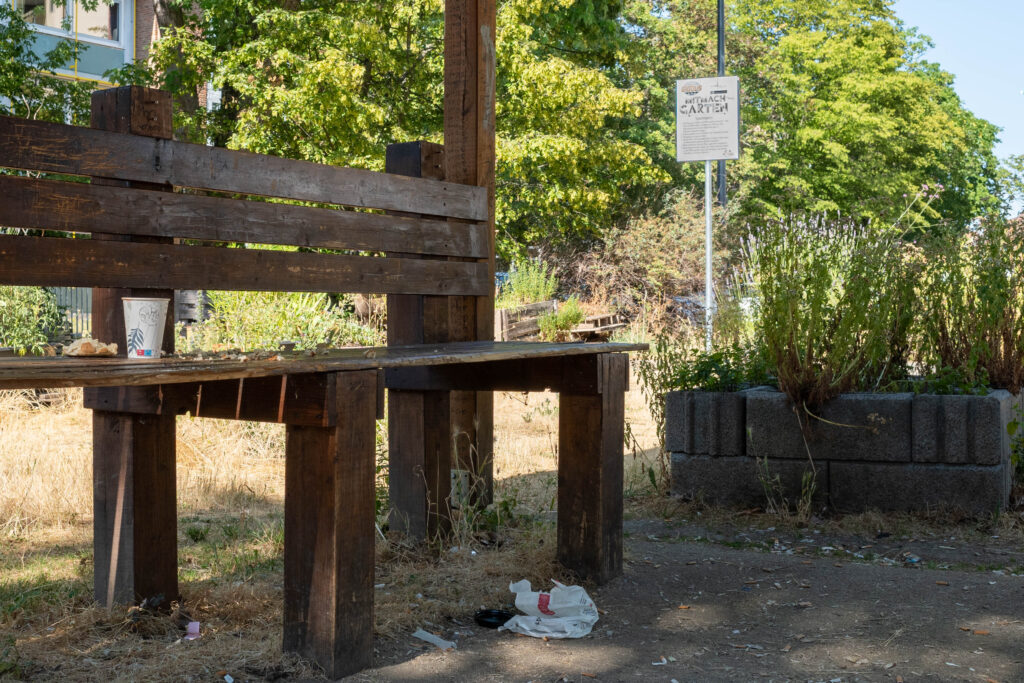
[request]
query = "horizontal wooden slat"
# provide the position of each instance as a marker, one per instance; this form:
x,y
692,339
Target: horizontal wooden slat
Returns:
x,y
573,374
20,373
49,261
58,148
78,207
292,399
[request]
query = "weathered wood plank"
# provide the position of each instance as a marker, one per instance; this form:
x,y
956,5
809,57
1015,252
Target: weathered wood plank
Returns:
x,y
134,510
78,207
575,374
419,425
590,443
20,373
469,106
58,148
48,261
329,532
134,488
292,399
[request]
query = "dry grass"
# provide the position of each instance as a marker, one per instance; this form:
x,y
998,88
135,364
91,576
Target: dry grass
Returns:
x,y
230,492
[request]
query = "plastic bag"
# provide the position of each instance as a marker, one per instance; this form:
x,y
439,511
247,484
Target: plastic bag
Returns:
x,y
565,612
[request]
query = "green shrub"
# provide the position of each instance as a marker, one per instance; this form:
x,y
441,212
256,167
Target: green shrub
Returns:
x,y
529,282
555,326
833,306
732,369
29,318
261,320
972,304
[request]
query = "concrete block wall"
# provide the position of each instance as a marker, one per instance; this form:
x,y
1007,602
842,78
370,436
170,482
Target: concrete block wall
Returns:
x,y
871,451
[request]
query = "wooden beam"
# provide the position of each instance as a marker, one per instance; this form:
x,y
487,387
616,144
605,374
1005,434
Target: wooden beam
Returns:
x,y
419,424
590,464
20,373
58,148
569,374
78,207
469,125
292,399
135,521
54,261
329,532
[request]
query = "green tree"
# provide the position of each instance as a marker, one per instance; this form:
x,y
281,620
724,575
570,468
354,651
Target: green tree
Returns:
x,y
335,82
841,116
29,85
564,172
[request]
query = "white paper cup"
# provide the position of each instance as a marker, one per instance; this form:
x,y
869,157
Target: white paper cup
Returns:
x,y
144,326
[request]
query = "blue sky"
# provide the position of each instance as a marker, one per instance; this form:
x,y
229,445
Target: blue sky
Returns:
x,y
981,42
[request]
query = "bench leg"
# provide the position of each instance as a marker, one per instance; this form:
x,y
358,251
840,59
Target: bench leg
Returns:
x,y
590,460
329,532
135,522
419,449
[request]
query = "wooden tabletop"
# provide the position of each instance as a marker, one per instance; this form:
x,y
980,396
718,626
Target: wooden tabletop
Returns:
x,y
36,372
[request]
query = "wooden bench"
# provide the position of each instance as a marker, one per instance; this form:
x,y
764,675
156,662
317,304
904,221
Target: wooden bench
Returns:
x,y
160,215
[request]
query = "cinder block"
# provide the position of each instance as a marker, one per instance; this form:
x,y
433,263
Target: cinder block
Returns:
x,y
738,480
867,427
705,422
960,429
679,421
894,487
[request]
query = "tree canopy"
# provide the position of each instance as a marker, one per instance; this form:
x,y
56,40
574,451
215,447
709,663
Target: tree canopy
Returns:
x,y
840,113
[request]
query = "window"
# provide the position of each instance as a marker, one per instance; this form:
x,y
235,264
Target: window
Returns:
x,y
71,16
103,32
43,13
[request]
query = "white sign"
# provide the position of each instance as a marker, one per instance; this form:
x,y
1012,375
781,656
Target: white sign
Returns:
x,y
708,119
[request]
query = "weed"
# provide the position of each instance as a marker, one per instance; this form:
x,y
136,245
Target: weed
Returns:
x,y
657,371
29,318
262,320
732,369
196,534
10,660
556,326
528,282
776,500
833,306
972,303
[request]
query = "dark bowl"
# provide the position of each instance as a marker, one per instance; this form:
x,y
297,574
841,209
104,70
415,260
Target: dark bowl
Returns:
x,y
492,618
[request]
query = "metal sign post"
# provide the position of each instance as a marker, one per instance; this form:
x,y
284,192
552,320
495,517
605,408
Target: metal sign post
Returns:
x,y
709,303
708,129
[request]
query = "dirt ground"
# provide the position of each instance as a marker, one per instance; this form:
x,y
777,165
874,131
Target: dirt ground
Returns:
x,y
747,604
707,594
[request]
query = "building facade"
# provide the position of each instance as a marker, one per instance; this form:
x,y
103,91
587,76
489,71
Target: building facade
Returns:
x,y
109,36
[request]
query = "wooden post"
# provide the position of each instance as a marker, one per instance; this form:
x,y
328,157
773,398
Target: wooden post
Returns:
x,y
329,531
419,431
135,514
590,438
469,95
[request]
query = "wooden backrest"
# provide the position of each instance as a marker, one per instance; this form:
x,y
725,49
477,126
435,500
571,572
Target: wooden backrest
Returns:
x,y
170,233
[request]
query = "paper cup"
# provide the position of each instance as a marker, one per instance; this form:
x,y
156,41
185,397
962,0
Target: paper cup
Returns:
x,y
144,326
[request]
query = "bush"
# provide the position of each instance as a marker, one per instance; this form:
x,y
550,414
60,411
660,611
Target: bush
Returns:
x,y
29,318
528,283
643,269
972,304
262,320
555,326
832,304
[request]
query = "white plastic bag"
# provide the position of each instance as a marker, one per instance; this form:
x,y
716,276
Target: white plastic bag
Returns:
x,y
565,612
